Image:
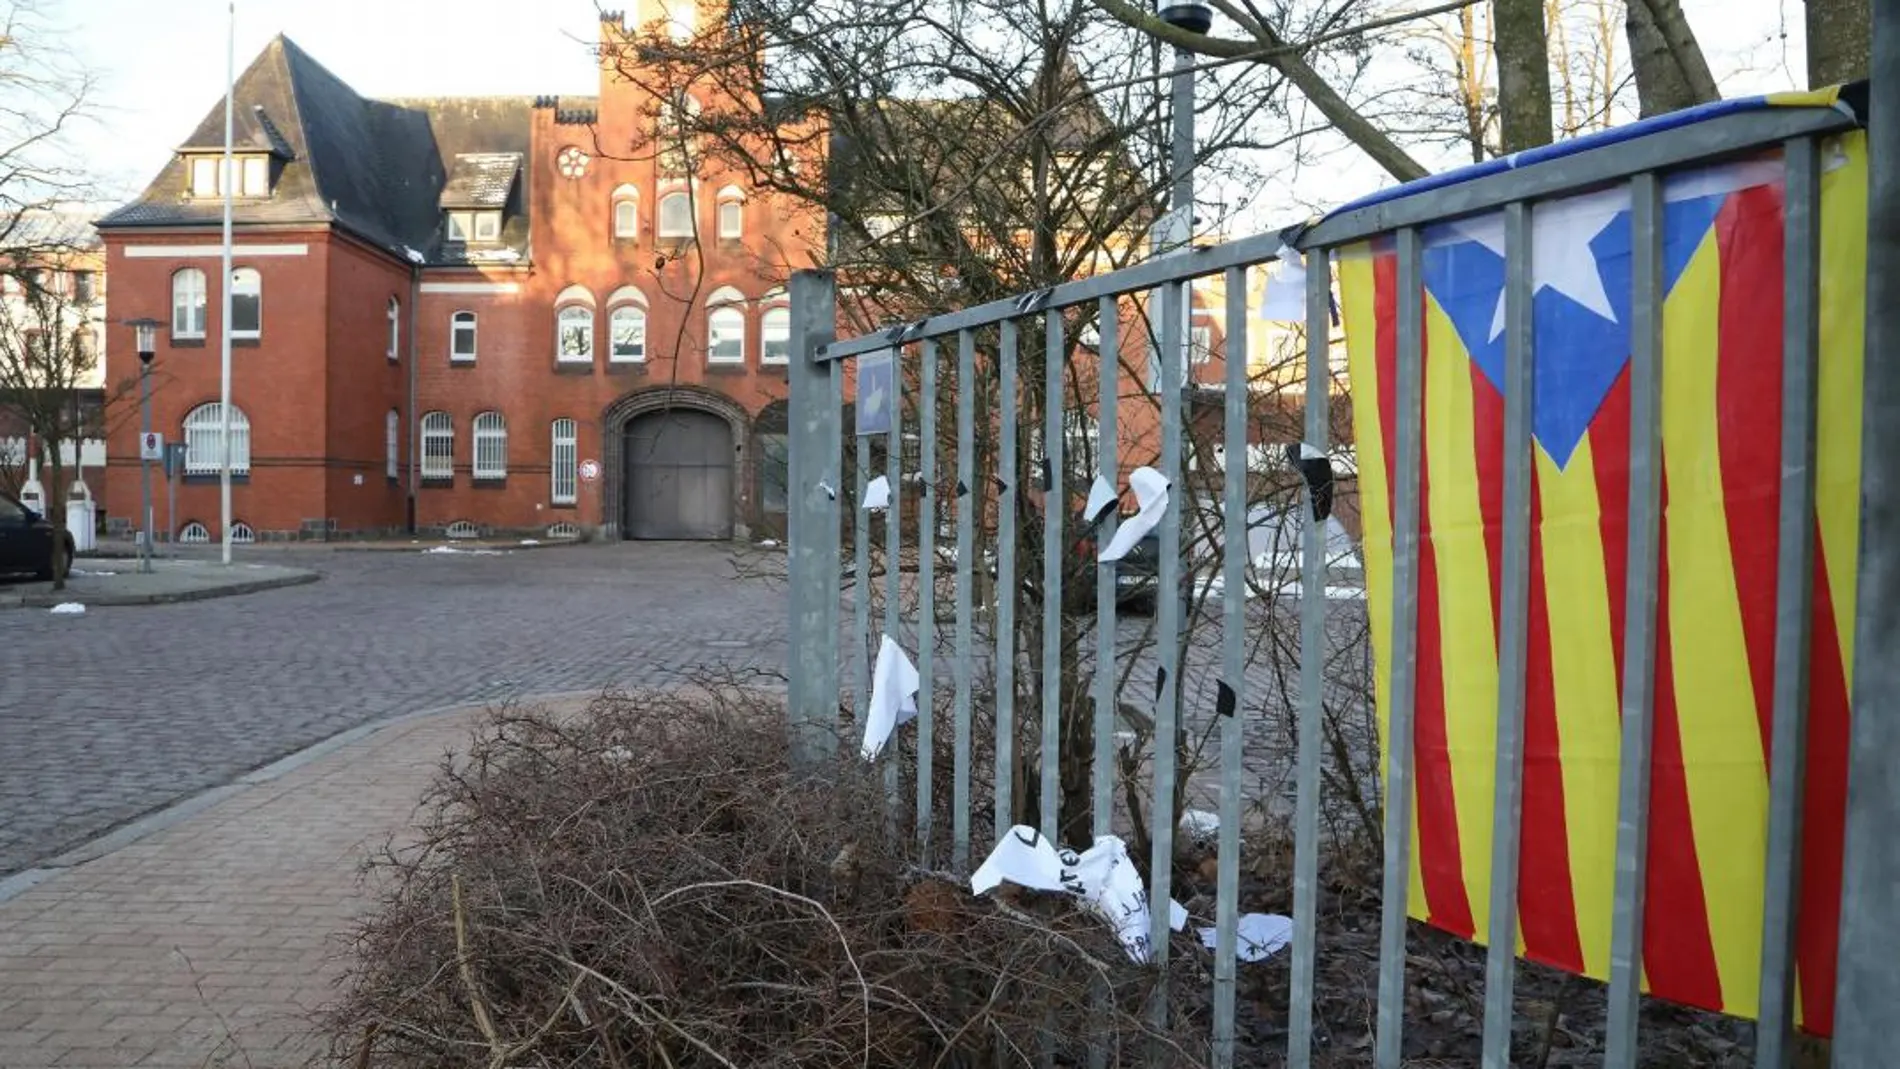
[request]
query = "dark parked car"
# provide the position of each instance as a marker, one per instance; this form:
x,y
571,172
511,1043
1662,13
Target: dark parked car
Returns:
x,y
29,543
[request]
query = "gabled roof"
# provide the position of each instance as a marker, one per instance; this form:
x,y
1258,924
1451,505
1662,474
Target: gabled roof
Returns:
x,y
372,167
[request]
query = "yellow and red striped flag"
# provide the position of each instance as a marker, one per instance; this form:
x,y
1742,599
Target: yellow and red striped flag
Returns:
x,y
1721,431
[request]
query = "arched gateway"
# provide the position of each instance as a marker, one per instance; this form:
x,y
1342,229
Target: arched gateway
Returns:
x,y
674,463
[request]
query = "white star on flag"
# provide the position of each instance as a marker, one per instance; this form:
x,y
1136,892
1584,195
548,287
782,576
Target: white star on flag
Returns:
x,y
1561,259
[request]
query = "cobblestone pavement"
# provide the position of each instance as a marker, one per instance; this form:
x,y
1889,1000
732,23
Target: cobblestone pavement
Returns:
x,y
109,715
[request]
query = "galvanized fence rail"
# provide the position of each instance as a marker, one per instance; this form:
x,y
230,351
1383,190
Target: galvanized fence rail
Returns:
x,y
817,496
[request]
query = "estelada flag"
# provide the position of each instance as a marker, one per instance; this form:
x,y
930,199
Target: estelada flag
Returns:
x,y
1721,443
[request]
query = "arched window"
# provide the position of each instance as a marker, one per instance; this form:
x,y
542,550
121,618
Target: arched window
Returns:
x,y
575,327
462,337
491,446
392,434
241,533
395,330
463,529
775,336
247,303
438,446
627,326
674,132
725,335
194,534
731,214
676,216
626,202
204,440
564,464
188,303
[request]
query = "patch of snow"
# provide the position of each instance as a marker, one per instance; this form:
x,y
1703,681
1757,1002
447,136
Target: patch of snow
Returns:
x,y
617,753
68,608
531,541
770,543
1257,936
82,571
414,256
1200,824
468,552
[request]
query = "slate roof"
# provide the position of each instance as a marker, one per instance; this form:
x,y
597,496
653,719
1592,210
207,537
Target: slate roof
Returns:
x,y
379,169
481,180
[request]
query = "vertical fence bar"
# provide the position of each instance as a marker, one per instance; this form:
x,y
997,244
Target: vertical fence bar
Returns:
x,y
1794,603
1055,501
967,498
1399,756
1319,297
1639,624
893,559
861,584
812,520
1108,465
1174,305
1500,972
927,513
1006,588
1233,664
1868,984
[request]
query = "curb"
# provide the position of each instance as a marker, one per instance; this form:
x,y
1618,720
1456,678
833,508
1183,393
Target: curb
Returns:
x,y
175,813
48,600
424,547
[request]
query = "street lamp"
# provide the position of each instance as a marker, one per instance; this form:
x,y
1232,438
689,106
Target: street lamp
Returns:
x,y
145,333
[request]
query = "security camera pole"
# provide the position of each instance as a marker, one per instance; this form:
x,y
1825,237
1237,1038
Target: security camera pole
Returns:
x,y
146,334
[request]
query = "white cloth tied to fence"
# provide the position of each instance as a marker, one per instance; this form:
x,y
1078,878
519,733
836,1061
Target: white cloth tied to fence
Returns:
x,y
1101,495
1257,937
1102,877
1286,292
877,494
1151,494
894,686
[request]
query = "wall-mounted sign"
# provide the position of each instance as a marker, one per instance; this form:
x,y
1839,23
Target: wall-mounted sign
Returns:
x,y
590,470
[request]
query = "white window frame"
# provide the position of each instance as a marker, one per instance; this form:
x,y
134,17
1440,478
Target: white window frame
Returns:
x,y
254,283
627,199
731,210
564,463
254,178
193,533
1201,342
461,226
463,321
490,439
188,285
619,312
438,445
571,315
392,445
487,226
768,320
734,315
395,329
204,175
674,230
202,430
242,534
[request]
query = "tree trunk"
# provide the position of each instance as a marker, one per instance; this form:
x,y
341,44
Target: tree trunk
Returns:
x,y
1671,73
1523,52
1838,36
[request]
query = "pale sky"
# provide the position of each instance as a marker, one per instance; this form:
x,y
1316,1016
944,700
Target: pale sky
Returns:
x,y
164,60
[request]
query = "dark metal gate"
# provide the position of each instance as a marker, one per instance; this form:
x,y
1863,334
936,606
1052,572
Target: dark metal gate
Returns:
x,y
678,472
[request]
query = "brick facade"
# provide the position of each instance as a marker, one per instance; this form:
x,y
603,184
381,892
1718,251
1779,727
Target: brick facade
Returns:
x,y
338,237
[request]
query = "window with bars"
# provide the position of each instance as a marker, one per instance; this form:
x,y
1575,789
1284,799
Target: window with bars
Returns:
x,y
462,337
188,303
491,446
204,440
194,534
438,446
395,330
241,533
392,433
565,467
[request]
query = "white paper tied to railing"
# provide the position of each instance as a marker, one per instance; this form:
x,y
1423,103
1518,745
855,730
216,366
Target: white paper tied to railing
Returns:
x,y
1151,495
1285,298
1102,497
1101,877
877,494
894,687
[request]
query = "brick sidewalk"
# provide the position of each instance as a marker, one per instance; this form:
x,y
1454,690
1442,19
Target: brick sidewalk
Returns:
x,y
251,892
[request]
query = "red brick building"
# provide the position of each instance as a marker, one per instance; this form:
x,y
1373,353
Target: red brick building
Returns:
x,y
459,313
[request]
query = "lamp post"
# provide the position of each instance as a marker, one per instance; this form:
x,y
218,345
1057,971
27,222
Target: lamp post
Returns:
x,y
145,332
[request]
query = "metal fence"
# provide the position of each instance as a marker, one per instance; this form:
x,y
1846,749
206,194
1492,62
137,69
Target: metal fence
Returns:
x,y
817,576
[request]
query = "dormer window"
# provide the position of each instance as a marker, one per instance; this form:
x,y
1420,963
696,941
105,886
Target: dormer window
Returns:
x,y
474,226
253,176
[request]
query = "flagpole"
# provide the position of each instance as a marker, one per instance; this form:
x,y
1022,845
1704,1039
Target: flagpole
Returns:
x,y
224,335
